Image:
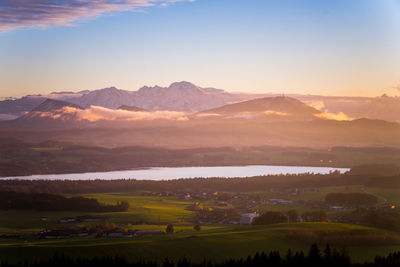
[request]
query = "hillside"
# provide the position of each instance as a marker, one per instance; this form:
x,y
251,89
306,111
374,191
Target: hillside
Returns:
x,y
281,106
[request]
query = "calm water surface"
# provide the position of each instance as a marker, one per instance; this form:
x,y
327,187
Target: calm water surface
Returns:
x,y
170,173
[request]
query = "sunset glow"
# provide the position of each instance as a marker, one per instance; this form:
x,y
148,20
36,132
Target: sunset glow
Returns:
x,y
316,47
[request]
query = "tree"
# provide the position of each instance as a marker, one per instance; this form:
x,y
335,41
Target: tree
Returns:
x,y
270,217
197,227
108,226
314,255
170,229
327,252
292,216
315,216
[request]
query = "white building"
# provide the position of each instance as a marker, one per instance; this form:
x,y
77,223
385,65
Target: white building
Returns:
x,y
248,218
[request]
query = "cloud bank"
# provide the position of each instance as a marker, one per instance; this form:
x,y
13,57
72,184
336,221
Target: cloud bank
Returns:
x,y
320,105
15,14
95,113
334,116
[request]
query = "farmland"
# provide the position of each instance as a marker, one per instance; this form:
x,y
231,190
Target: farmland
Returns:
x,y
152,211
216,243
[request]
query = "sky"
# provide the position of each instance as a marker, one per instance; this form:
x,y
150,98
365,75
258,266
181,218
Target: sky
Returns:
x,y
337,47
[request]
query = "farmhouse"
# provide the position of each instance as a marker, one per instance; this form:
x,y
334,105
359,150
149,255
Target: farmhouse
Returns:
x,y
279,201
142,233
67,220
91,218
248,218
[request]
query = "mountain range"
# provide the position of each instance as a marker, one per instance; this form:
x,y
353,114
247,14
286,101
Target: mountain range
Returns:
x,y
179,96
97,118
191,99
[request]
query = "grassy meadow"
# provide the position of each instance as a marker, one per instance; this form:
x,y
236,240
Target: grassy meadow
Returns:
x,y
216,243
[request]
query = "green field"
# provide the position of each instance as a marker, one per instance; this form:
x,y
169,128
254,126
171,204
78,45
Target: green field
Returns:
x,y
149,209
217,243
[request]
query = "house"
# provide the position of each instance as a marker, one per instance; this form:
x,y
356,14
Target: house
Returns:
x,y
91,218
142,233
67,220
279,201
248,218
116,233
58,233
337,208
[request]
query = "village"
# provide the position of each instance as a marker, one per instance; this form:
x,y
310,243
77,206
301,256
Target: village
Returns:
x,y
212,208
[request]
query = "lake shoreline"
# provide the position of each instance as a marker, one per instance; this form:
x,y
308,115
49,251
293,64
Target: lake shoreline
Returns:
x,y
173,173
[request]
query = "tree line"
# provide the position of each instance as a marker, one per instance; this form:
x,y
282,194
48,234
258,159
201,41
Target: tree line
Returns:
x,y
315,257
351,199
50,202
252,184
291,216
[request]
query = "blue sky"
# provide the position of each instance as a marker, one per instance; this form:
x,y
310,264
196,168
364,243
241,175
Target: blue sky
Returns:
x,y
338,47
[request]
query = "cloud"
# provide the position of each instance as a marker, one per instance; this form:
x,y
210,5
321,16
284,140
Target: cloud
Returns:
x,y
205,115
334,116
6,117
95,113
272,112
243,115
397,85
320,105
15,14
246,116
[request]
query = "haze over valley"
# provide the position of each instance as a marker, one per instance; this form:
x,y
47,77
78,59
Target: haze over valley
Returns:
x,y
185,115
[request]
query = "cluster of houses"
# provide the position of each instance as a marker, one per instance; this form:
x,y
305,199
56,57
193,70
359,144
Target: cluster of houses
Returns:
x,y
83,232
83,218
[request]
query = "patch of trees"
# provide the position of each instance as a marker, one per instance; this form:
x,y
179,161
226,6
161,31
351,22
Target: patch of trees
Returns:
x,y
215,215
50,202
291,216
169,229
315,216
270,217
351,199
315,257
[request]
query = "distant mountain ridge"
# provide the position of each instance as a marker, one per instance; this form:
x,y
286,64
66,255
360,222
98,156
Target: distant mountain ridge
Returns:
x,y
52,105
265,121
49,114
179,96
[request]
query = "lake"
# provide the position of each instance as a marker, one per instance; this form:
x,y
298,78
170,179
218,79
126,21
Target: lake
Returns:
x,y
170,173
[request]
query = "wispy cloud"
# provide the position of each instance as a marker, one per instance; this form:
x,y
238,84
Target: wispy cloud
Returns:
x,y
95,113
334,116
15,14
272,112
